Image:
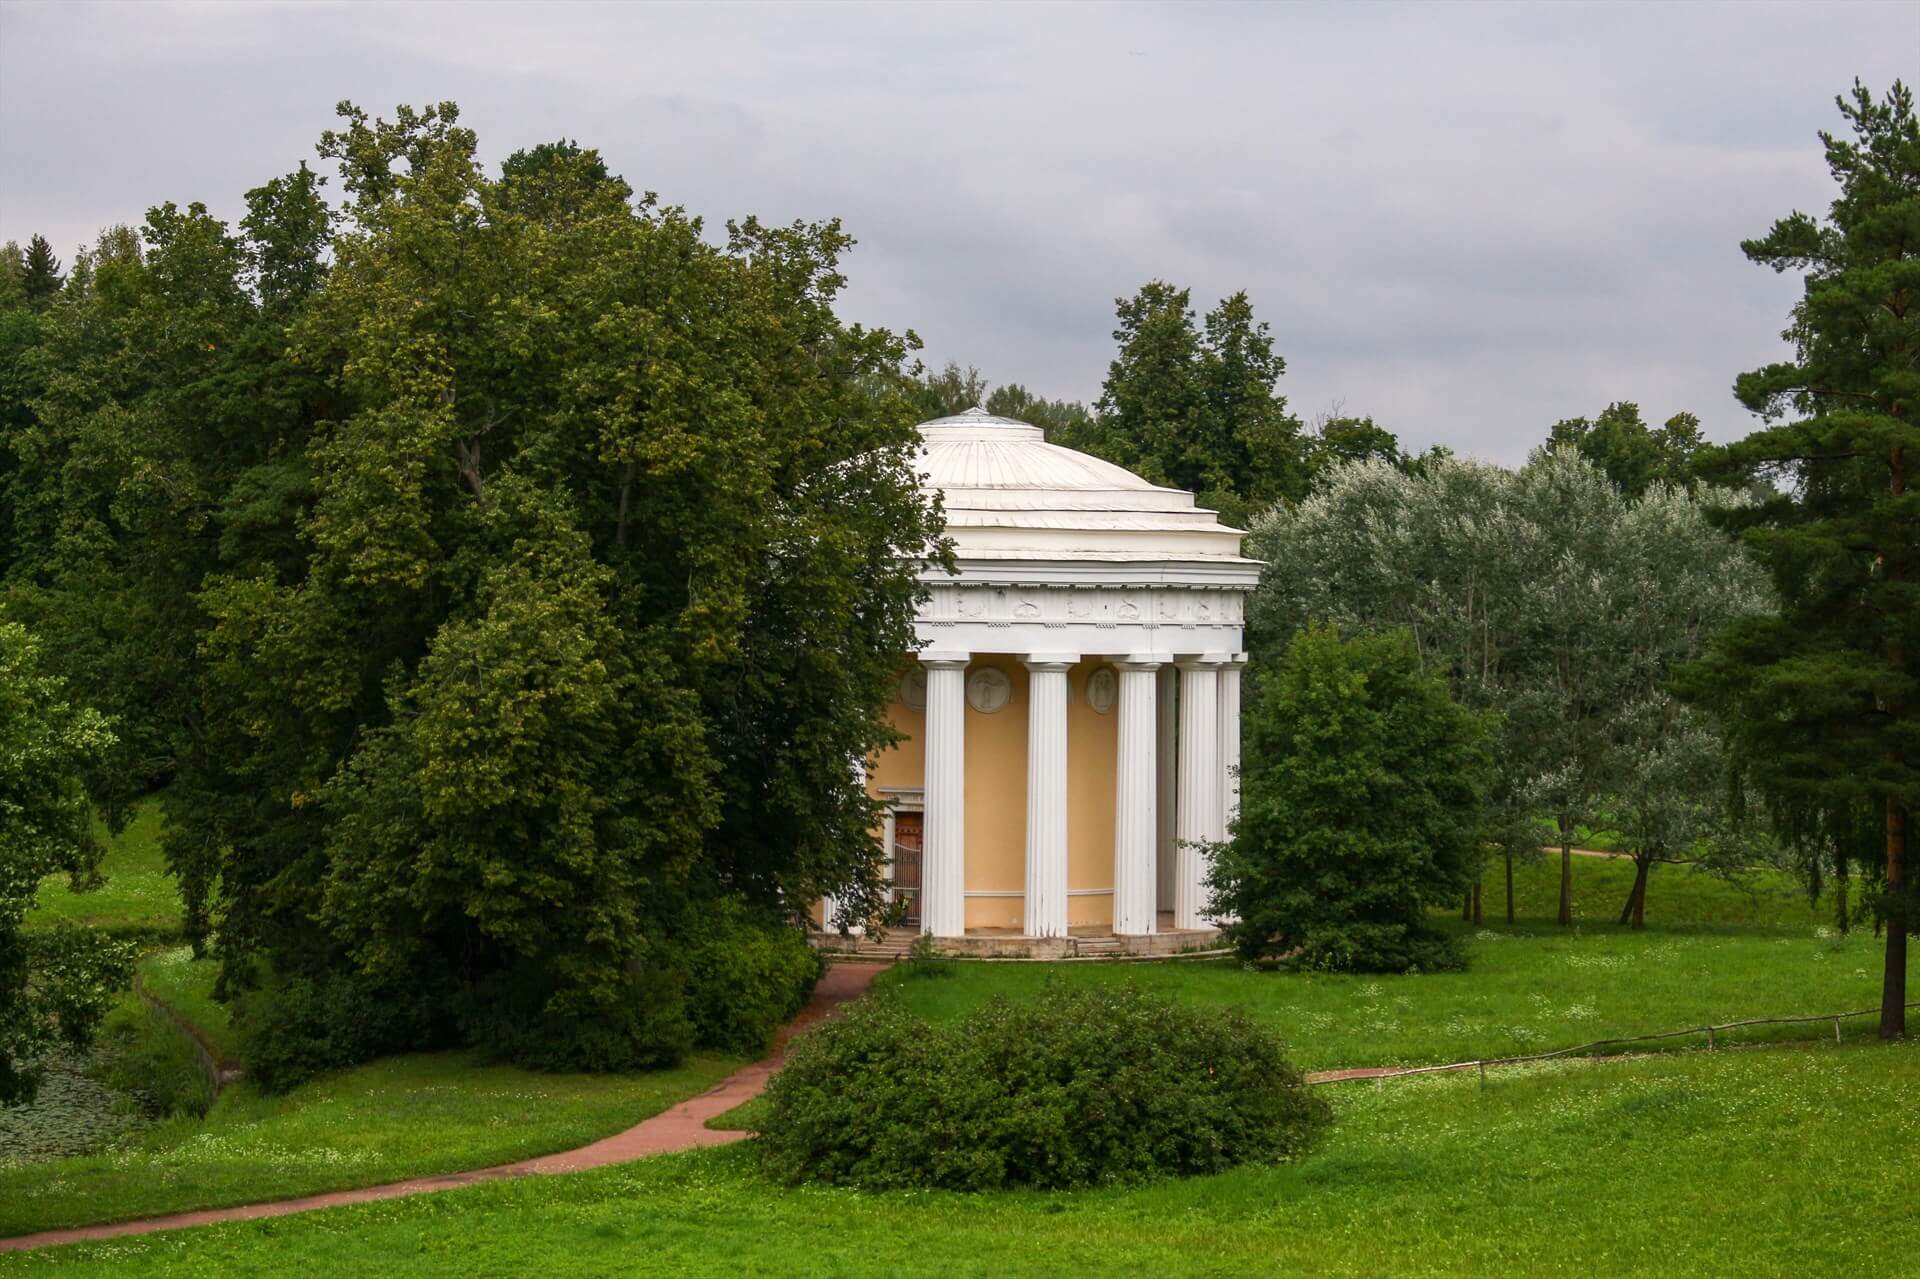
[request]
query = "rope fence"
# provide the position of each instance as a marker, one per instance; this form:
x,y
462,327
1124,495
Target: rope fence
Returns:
x,y
1400,1072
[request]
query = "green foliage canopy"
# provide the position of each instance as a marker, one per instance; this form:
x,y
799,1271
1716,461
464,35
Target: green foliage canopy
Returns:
x,y
53,986
1822,700
494,564
1360,793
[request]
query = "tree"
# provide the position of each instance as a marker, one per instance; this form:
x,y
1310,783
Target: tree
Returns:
x,y
53,986
1197,409
1669,796
1822,700
950,391
1634,457
603,552
1063,421
1360,799
1543,596
40,274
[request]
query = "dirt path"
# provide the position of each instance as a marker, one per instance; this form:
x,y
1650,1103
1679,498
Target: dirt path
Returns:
x,y
680,1127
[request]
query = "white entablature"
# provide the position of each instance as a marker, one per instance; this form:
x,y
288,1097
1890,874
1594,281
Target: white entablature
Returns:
x,y
1056,550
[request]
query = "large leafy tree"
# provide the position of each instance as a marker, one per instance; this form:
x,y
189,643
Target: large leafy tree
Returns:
x,y
1634,456
1193,404
607,564
54,986
1360,801
1823,700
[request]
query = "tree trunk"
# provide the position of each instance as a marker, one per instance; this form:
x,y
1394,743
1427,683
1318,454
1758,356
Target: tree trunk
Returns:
x,y
1566,874
1509,885
1893,986
1893,982
1479,913
1634,912
1466,907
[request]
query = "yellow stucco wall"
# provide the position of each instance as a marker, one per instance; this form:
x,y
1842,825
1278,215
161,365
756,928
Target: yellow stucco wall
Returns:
x,y
996,770
1092,746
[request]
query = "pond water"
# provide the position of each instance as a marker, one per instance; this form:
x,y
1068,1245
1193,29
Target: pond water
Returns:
x,y
74,1114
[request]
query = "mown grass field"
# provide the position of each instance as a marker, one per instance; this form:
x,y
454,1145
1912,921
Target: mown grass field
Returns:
x,y
1791,1161
139,897
1757,950
394,1118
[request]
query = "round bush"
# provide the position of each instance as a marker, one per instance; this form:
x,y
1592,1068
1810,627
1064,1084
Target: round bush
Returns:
x,y
1076,1088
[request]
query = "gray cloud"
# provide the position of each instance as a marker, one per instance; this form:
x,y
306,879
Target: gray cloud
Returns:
x,y
1468,221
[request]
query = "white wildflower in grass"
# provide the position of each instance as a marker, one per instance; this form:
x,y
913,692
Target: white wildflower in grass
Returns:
x,y
1487,934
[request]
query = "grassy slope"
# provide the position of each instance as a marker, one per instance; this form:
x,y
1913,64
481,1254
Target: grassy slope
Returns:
x,y
399,1117
139,895
186,985
1658,1166
1531,988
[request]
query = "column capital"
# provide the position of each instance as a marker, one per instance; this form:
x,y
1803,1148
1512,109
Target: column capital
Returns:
x,y
945,659
1051,661
1203,662
1143,661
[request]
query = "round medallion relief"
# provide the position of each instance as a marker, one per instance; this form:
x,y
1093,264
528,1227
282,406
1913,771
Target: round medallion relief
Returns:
x,y
989,689
1103,690
913,688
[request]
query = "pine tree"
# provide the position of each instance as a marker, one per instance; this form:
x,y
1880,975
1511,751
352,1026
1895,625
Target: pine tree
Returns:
x,y
1822,702
42,276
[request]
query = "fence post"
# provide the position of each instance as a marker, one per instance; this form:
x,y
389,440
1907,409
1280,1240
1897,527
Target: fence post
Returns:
x,y
1483,1074
1709,1031
1836,1030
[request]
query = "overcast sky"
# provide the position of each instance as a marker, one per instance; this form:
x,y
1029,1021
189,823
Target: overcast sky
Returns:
x,y
1468,221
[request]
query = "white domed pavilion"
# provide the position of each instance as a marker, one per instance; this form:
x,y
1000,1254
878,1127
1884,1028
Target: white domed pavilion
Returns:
x,y
1072,715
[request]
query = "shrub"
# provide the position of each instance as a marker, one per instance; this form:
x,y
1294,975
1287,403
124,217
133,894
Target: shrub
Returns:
x,y
1076,1088
747,975
524,1015
1360,805
294,1029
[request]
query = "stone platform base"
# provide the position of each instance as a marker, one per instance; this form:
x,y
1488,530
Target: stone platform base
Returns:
x,y
1005,943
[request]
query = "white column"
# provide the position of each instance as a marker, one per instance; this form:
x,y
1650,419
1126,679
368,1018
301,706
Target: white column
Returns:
x,y
1135,792
1199,791
1167,756
1046,913
1229,749
943,859
1230,740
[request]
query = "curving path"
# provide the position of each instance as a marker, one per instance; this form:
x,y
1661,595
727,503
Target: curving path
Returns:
x,y
680,1127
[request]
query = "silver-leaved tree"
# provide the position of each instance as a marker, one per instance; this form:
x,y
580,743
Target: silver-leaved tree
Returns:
x,y
1549,598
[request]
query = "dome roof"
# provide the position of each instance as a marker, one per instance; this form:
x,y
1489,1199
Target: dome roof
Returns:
x,y
1010,495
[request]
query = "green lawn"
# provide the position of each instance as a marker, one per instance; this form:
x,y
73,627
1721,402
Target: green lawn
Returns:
x,y
186,985
398,1117
1794,1161
1750,952
139,896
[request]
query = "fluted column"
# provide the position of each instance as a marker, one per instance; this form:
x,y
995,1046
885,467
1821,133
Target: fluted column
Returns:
x,y
1135,790
1229,751
1230,740
1200,791
1167,754
1046,905
943,894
